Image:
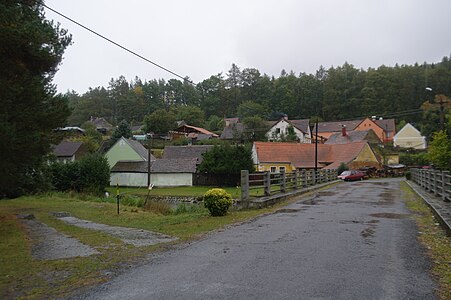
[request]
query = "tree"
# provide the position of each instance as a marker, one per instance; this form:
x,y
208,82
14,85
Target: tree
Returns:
x,y
160,121
123,129
227,160
440,151
191,114
250,109
255,129
31,49
215,123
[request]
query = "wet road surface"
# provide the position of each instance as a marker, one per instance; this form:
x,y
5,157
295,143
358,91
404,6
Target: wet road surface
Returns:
x,y
353,241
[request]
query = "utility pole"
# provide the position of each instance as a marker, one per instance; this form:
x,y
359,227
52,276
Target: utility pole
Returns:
x,y
316,148
149,155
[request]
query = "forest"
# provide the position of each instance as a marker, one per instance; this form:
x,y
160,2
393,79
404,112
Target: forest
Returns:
x,y
338,93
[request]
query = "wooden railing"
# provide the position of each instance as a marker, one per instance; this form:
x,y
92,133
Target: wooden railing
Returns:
x,y
434,181
267,183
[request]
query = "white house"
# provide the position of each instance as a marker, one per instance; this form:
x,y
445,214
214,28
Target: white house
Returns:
x,y
409,137
283,127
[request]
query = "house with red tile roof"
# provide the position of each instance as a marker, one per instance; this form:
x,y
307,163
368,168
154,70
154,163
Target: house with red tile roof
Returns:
x,y
193,133
277,157
282,128
384,128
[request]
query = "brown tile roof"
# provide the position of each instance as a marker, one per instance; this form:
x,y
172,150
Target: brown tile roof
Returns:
x,y
66,148
303,155
186,152
188,128
101,123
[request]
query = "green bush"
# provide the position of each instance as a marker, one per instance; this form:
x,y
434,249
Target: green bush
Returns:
x,y
342,167
91,174
131,200
217,201
408,175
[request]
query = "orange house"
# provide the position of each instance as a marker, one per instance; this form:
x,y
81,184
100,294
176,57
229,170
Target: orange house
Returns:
x,y
384,129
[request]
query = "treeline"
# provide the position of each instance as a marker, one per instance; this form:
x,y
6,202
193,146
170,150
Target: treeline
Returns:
x,y
338,93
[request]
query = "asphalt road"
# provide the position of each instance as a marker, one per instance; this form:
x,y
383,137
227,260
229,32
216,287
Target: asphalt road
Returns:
x,y
354,241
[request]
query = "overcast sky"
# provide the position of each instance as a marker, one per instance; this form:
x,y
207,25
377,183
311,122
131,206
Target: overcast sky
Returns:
x,y
200,38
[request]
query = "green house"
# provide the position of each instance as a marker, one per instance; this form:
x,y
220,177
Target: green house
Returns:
x,y
127,150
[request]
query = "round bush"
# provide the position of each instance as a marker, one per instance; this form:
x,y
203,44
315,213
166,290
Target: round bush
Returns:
x,y
217,201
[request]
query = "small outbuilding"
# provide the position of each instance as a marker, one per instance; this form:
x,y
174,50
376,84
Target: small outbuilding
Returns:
x,y
409,137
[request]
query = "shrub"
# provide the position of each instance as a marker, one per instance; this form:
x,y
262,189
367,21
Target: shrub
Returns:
x,y
217,201
408,175
341,168
131,200
158,207
91,174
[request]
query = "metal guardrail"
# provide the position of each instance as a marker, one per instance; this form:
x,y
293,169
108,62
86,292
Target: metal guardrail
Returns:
x,y
435,181
266,183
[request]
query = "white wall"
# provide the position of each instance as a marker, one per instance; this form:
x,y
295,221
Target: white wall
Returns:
x,y
283,127
172,179
129,179
160,179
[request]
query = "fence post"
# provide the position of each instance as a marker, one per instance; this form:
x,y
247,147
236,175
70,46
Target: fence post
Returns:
x,y
245,188
445,190
283,188
435,182
295,174
303,179
267,183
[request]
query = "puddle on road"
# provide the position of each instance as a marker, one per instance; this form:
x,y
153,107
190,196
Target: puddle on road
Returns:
x,y
390,215
288,210
368,232
349,222
326,193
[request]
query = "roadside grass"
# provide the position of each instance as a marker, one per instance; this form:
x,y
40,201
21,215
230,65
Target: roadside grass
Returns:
x,y
194,191
22,277
434,238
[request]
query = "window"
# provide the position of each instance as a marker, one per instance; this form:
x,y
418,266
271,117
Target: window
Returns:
x,y
281,169
388,134
273,169
277,130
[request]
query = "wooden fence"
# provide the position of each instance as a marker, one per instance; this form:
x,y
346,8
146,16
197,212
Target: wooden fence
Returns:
x,y
434,181
267,184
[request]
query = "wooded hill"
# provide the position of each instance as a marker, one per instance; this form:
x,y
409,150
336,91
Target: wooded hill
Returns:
x,y
338,93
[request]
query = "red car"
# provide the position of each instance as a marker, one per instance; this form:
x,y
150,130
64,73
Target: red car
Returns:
x,y
351,175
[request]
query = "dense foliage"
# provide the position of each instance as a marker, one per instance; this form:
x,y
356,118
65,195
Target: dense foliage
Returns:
x,y
91,174
226,159
439,152
337,93
30,50
217,201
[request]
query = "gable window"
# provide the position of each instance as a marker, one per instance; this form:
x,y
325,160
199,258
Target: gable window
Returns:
x,y
281,169
273,169
277,130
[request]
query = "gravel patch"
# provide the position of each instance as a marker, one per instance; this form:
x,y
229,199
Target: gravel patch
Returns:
x,y
132,236
49,244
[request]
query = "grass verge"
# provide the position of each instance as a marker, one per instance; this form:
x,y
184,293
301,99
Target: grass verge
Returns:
x,y
22,277
434,238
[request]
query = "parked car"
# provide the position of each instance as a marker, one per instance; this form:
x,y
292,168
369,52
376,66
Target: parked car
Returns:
x,y
351,175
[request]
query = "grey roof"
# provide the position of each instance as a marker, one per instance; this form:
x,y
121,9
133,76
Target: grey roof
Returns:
x,y
140,149
101,123
125,166
66,149
336,126
302,125
186,152
386,124
174,166
352,136
233,131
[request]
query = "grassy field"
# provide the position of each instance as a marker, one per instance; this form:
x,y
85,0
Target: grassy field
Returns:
x,y
22,277
434,238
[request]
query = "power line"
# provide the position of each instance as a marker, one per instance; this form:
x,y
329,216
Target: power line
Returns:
x,y
118,45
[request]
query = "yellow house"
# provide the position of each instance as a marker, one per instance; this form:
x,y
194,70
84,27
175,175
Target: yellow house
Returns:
x,y
409,137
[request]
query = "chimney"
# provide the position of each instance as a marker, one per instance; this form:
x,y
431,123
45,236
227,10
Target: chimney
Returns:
x,y
343,130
